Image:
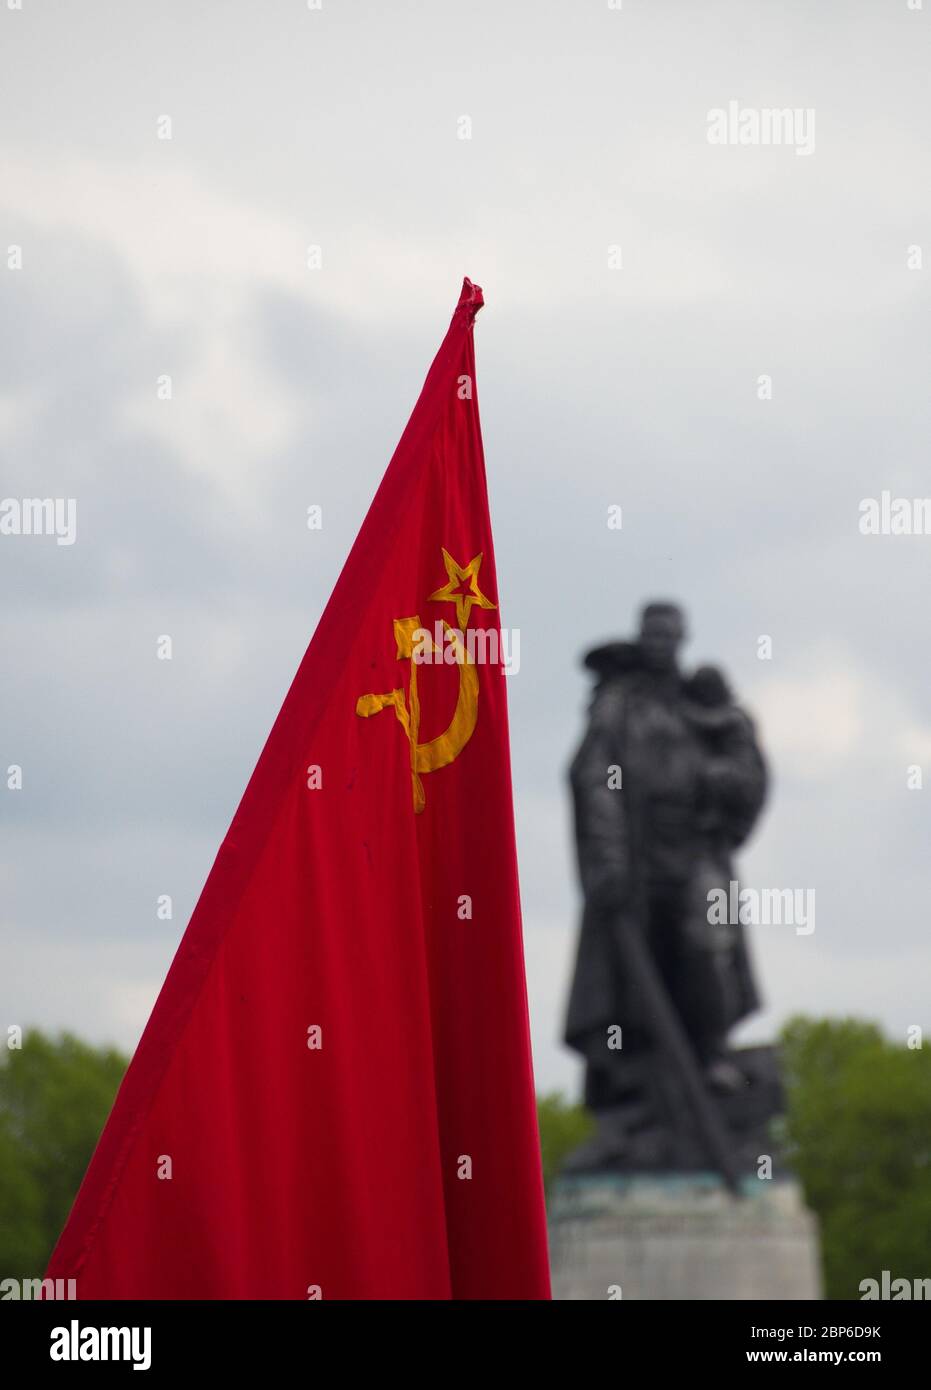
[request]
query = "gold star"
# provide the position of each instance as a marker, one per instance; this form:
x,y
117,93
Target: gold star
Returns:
x,y
459,575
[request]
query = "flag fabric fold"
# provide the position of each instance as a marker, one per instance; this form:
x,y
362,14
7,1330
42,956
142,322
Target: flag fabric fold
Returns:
x,y
333,1096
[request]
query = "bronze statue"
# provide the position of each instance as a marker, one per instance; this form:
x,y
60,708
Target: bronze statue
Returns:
x,y
667,783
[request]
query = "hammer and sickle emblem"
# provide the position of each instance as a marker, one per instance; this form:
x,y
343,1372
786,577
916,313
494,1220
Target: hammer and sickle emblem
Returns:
x,y
427,757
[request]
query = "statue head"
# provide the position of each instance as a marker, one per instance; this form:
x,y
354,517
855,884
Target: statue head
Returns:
x,y
662,632
708,687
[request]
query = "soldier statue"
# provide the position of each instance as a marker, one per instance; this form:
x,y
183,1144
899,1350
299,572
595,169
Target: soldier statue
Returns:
x,y
667,784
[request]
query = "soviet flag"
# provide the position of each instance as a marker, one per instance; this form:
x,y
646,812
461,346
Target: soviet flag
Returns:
x,y
333,1096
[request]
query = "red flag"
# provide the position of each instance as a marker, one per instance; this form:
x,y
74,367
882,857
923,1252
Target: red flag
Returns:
x,y
334,1095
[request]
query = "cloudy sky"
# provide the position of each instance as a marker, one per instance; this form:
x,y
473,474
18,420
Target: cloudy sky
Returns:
x,y
636,386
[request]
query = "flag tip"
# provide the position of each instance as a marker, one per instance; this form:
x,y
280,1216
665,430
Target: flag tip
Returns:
x,y
471,298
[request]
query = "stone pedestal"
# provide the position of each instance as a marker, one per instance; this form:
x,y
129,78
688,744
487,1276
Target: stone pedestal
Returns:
x,y
681,1236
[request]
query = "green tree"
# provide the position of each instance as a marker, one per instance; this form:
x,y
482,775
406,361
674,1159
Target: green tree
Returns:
x,y
55,1095
859,1128
562,1127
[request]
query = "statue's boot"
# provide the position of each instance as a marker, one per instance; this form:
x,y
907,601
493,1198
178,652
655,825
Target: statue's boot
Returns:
x,y
615,1134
